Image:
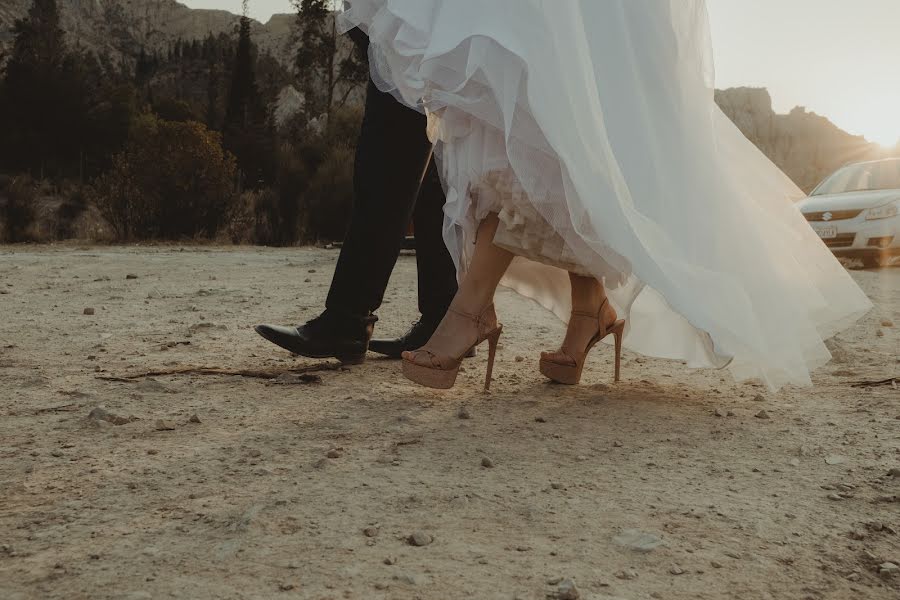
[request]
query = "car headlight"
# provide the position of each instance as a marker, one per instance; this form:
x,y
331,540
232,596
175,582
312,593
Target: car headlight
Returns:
x,y
883,212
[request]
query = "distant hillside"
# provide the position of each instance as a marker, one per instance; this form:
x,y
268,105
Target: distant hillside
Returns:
x,y
806,146
122,28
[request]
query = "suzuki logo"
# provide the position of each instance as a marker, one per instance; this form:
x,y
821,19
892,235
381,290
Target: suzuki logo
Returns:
x,y
827,216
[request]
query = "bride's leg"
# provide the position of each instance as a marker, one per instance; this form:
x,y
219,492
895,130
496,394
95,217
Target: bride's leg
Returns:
x,y
456,334
588,295
489,264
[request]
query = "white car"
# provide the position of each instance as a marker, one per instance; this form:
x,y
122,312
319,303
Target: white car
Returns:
x,y
856,211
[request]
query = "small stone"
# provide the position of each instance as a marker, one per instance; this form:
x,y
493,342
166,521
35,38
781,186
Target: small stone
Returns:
x,y
419,539
888,569
567,590
733,554
895,473
626,574
194,419
334,453
676,570
716,564
617,444
879,333
762,415
101,414
162,425
390,560
463,413
540,420
487,463
370,532
887,323
720,412
131,276
88,311
152,451
795,462
520,359
285,587
759,398
639,541
835,497
835,459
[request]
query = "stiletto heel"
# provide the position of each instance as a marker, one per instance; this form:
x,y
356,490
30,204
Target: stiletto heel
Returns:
x,y
441,371
493,341
618,330
569,373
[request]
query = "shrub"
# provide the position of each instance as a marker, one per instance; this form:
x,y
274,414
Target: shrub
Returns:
x,y
17,208
172,181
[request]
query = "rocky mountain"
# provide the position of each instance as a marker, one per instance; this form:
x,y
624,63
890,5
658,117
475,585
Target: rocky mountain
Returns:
x,y
122,27
806,146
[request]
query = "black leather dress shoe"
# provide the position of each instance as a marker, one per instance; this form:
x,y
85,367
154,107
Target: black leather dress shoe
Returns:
x,y
413,339
343,337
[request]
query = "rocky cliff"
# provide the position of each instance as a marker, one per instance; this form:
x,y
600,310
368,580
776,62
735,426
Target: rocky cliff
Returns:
x,y
806,146
122,27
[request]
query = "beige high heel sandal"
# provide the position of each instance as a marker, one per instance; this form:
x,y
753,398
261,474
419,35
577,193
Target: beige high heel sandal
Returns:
x,y
441,371
570,374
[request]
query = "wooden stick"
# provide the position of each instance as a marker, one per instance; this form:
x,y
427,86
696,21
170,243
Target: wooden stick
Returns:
x,y
250,373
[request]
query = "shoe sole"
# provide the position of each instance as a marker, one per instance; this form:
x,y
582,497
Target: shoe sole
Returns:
x,y
436,379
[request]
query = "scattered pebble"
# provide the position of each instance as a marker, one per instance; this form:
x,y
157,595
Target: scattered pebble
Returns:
x,y
676,570
716,564
194,419
89,311
639,541
835,497
627,574
101,414
835,459
131,276
762,415
162,425
463,413
520,359
888,569
370,532
487,463
720,412
419,539
887,323
335,453
895,473
540,420
617,444
567,590
759,398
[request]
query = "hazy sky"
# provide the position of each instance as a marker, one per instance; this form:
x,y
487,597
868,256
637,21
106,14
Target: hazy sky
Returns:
x,y
839,58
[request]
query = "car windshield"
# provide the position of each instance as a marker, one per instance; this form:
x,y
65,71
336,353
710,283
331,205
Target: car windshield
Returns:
x,y
883,175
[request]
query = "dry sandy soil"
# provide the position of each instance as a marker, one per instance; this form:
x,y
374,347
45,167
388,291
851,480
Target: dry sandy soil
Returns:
x,y
231,486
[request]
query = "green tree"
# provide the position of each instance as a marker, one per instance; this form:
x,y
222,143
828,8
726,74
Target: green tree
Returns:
x,y
329,70
248,129
172,181
41,95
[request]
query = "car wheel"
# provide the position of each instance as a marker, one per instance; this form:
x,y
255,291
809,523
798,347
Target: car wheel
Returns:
x,y
874,262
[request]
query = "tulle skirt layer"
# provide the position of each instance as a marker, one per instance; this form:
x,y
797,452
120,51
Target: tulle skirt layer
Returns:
x,y
602,113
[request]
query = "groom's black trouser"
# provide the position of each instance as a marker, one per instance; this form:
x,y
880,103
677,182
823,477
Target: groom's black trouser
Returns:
x,y
392,157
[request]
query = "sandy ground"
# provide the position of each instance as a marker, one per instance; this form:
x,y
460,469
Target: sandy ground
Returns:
x,y
311,487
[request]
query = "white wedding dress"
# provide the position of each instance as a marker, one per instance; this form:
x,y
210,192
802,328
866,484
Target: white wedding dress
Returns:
x,y
590,127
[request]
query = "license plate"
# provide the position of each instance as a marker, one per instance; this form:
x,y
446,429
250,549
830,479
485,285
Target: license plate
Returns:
x,y
827,233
